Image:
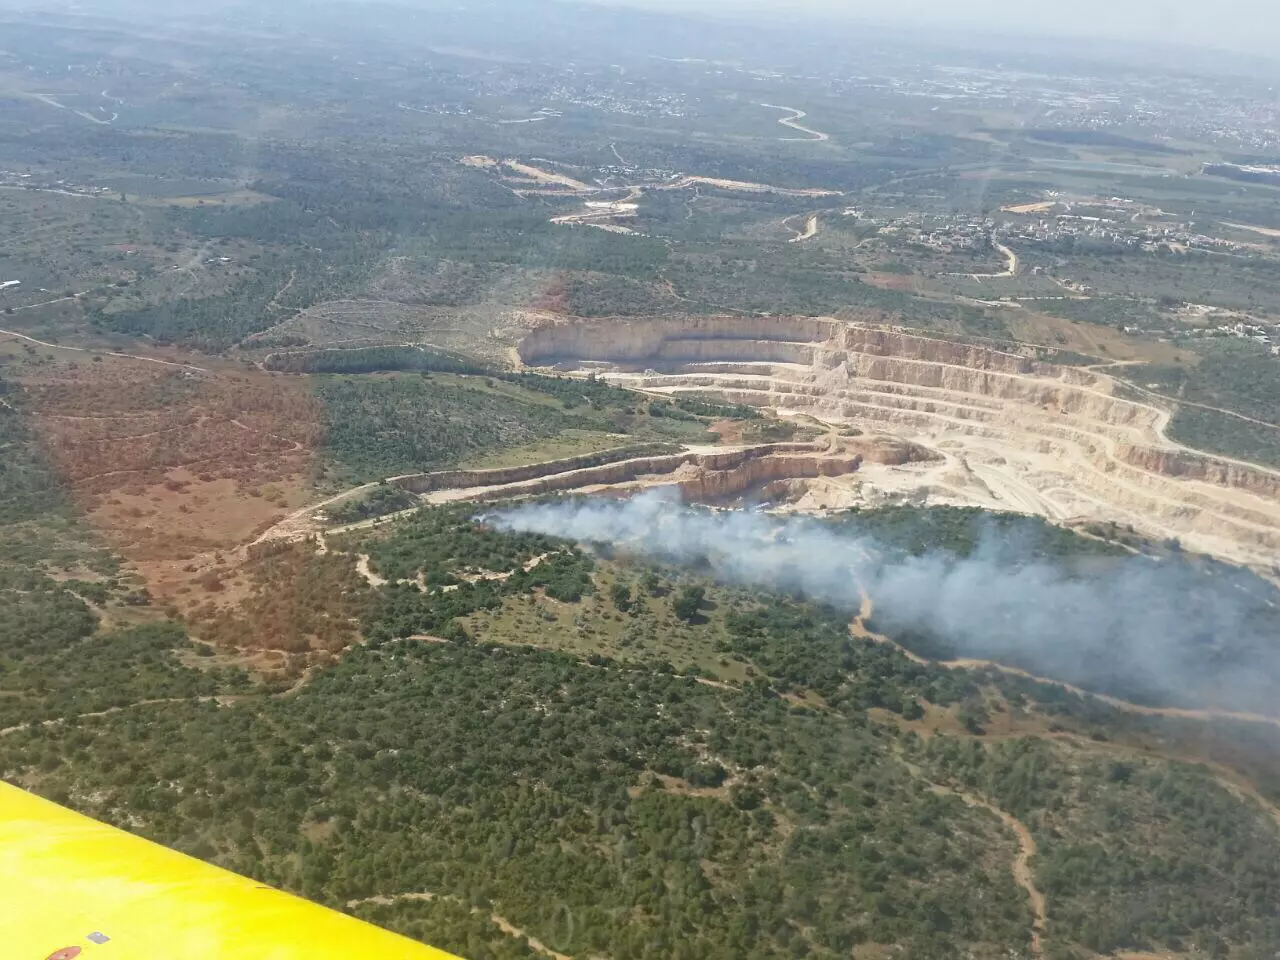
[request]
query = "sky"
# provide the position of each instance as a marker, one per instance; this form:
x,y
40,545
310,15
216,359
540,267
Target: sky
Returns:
x,y
1251,26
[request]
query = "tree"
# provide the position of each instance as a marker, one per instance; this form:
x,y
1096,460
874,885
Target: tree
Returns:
x,y
688,602
621,596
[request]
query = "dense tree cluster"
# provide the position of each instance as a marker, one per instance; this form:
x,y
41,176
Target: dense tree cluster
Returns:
x,y
385,498
372,360
383,426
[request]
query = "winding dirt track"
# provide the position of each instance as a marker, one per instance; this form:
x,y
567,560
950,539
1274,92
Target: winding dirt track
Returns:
x,y
1021,867
102,353
815,136
222,700
299,523
860,630
501,923
59,721
809,232
1010,270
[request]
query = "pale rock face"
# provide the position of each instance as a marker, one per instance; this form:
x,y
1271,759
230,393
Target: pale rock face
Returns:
x,y
1068,443
710,475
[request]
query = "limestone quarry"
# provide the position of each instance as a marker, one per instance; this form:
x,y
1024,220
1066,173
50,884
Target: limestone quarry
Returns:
x,y
706,474
941,422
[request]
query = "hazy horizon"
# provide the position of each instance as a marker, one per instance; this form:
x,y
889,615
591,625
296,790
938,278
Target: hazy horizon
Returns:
x,y
1249,27
1246,26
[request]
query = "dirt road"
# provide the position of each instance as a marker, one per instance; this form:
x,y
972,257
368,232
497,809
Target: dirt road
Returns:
x,y
1011,258
546,176
810,230
1204,406
58,721
101,353
1021,867
1177,713
298,524
1010,270
747,186
45,98
363,568
1020,496
501,923
1264,231
860,630
814,135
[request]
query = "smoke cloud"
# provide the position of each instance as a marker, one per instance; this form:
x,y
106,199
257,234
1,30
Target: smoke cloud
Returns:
x,y
1159,632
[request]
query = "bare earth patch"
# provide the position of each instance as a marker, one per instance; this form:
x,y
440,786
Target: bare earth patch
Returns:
x,y
173,466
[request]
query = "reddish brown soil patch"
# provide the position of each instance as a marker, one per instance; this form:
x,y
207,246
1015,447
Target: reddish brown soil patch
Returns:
x,y
554,297
730,431
173,465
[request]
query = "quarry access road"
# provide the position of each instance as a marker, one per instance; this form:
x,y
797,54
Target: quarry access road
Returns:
x,y
1190,403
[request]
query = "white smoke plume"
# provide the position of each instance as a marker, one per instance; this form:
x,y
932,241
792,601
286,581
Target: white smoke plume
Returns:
x,y
1157,631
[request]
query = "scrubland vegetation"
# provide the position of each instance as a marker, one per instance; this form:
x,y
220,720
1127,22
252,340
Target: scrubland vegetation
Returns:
x,y
600,798
458,732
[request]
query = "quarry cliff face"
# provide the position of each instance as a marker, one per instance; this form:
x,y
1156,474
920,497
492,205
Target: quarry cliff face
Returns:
x,y
703,476
642,340
1061,441
1190,465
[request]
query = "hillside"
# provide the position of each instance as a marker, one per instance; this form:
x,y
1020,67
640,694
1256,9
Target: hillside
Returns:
x,y
628,759
497,472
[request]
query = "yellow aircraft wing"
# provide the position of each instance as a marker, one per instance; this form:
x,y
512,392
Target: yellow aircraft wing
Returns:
x,y
71,887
